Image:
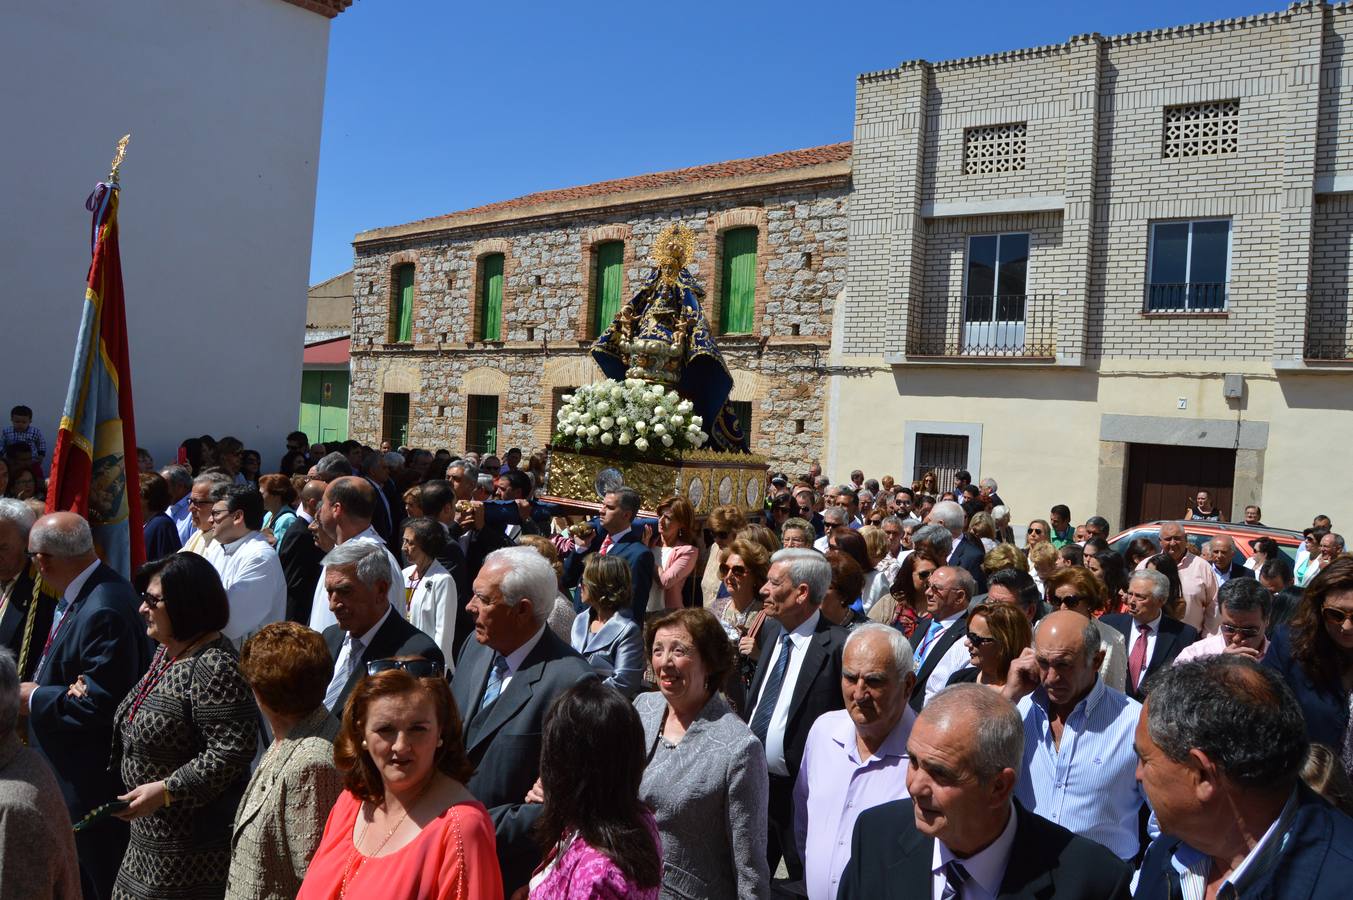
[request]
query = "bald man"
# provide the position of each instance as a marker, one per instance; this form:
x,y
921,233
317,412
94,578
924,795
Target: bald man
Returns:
x,y
97,633
345,515
1079,766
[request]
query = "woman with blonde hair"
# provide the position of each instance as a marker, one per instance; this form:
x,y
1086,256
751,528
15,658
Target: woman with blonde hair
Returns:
x,y
743,569
1042,563
983,527
997,634
1005,556
675,553
604,633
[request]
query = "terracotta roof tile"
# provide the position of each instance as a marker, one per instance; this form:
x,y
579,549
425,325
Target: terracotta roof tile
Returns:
x,y
327,8
735,168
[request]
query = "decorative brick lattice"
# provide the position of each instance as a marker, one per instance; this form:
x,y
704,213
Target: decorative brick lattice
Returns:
x,y
1202,129
994,148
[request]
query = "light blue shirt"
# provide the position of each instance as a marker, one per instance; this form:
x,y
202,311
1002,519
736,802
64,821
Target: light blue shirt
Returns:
x,y
183,518
1193,867
1088,784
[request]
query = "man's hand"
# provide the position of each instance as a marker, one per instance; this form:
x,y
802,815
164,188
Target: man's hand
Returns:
x,y
536,794
1023,677
1242,650
471,519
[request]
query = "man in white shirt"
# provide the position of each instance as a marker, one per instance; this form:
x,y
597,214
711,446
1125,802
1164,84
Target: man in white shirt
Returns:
x,y
832,517
247,563
345,515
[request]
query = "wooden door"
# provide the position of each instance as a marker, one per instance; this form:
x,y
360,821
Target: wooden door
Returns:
x,y
1163,480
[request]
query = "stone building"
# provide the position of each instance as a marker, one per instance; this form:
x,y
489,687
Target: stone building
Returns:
x,y
1108,272
468,328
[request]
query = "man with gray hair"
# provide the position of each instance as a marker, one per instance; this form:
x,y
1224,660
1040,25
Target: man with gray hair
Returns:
x,y
798,678
344,515
1221,743
832,517
940,648
19,584
180,482
1079,768
37,846
962,834
357,577
505,682
1153,638
987,493
855,758
96,633
967,552
206,490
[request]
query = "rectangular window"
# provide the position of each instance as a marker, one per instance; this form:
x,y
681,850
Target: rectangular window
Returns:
x,y
481,423
404,303
1201,129
992,149
606,286
994,295
737,302
491,297
1189,266
395,420
943,454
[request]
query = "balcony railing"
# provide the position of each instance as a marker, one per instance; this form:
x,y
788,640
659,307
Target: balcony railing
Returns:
x,y
1002,326
1190,297
1329,327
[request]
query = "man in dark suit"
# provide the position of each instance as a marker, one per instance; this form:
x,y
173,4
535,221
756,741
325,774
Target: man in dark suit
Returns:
x,y
1153,638
1224,561
940,648
18,577
966,748
798,678
1226,786
389,503
357,577
505,681
617,536
300,555
96,633
966,552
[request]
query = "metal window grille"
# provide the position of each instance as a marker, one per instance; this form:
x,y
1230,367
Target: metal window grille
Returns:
x,y
944,454
1202,129
991,149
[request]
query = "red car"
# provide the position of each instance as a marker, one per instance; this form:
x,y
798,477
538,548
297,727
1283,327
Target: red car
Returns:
x,y
1199,532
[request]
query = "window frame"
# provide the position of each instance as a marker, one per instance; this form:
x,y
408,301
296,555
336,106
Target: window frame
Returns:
x,y
599,324
397,335
482,301
996,275
725,280
472,402
1188,267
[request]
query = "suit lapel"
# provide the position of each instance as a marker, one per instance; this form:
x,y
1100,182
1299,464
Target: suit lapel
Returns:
x,y
914,856
382,644
68,623
474,668
1027,874
814,658
511,700
1165,640
770,633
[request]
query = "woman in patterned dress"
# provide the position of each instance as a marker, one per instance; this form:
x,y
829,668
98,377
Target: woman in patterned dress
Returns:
x,y
184,737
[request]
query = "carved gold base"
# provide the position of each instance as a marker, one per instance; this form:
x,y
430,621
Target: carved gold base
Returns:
x,y
706,478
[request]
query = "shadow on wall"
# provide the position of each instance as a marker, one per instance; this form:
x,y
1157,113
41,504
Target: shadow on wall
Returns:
x,y
997,382
1324,392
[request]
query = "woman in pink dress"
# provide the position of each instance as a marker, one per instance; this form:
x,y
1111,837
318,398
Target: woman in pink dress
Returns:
x,y
676,553
406,826
600,840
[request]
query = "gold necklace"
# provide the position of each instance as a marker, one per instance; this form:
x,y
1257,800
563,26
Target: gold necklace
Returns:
x,y
355,861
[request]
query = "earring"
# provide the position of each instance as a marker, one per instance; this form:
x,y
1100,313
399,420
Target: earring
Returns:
x,y
363,744
439,742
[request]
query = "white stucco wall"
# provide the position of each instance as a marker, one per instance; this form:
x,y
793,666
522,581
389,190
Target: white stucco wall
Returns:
x,y
224,104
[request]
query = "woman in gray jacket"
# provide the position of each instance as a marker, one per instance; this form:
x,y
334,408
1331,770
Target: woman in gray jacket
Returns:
x,y
706,777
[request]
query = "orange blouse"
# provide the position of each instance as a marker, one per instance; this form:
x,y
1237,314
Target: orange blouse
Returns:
x,y
453,858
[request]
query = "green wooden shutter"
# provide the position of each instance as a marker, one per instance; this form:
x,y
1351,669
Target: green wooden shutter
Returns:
x,y
404,319
482,423
738,300
606,299
491,298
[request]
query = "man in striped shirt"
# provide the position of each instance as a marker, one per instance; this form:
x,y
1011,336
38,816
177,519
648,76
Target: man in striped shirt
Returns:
x,y
1079,767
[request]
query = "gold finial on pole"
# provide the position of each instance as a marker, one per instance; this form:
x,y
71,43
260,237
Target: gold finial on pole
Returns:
x,y
118,157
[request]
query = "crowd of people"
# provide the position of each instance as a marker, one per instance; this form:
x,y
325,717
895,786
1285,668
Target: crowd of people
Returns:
x,y
392,672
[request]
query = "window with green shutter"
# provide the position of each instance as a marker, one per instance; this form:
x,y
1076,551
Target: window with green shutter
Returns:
x,y
737,301
481,423
404,303
606,285
491,297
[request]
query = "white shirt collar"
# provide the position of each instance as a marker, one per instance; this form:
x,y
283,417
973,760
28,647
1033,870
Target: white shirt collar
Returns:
x,y
303,515
77,583
1153,625
806,628
366,638
230,548
986,866
518,656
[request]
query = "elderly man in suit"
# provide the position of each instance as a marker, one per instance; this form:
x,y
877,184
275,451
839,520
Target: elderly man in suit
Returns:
x,y
300,556
1221,743
940,648
18,577
962,833
1153,638
345,515
967,551
617,536
798,678
96,632
357,578
505,681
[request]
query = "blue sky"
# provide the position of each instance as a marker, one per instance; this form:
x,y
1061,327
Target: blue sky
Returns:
x,y
433,106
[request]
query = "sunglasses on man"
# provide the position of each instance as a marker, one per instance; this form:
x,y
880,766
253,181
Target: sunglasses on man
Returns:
x,y
418,668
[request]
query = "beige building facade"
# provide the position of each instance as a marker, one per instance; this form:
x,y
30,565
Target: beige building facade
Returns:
x,y
467,329
1108,272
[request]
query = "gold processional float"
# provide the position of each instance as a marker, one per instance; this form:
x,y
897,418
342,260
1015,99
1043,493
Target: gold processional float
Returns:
x,y
659,422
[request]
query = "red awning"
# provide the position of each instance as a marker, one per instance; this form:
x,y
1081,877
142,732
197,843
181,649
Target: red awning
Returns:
x,y
328,353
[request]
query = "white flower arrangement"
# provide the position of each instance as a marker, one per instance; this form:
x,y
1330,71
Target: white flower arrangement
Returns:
x,y
630,414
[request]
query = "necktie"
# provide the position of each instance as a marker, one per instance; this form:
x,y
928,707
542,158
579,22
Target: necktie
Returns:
x,y
955,876
606,545
1137,659
61,606
342,674
924,647
770,694
495,685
